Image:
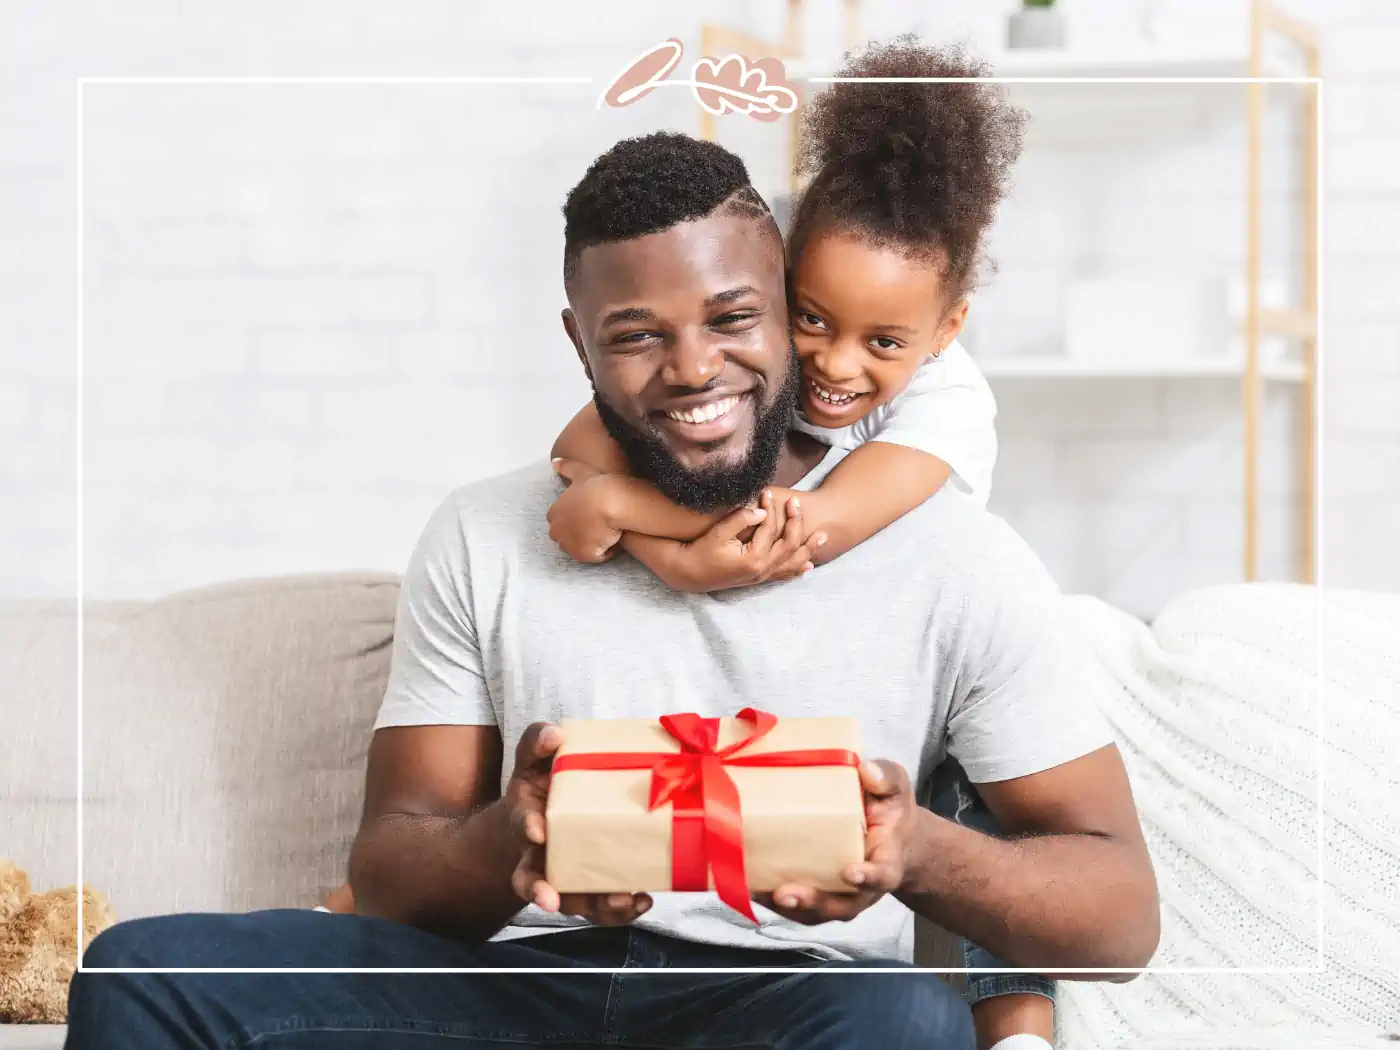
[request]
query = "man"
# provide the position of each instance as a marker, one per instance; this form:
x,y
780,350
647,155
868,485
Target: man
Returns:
x,y
942,633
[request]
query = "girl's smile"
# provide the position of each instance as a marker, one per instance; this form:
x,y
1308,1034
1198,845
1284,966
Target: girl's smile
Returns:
x,y
827,405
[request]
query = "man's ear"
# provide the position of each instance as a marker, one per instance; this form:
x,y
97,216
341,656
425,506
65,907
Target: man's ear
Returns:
x,y
571,326
951,324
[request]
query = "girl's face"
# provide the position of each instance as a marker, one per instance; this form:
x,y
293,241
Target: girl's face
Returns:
x,y
863,318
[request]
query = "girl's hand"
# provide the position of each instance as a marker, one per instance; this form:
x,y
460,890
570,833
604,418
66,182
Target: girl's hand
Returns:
x,y
580,520
727,556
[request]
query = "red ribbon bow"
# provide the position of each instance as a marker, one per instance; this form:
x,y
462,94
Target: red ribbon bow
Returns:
x,y
707,828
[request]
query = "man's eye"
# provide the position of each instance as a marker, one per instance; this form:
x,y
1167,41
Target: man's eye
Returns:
x,y
729,320
634,337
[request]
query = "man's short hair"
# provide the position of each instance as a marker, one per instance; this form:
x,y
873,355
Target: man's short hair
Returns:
x,y
651,183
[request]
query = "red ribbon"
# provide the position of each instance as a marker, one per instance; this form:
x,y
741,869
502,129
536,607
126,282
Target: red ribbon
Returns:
x,y
707,828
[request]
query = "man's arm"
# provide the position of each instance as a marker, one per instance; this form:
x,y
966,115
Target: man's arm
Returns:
x,y
1070,886
435,849
439,846
427,857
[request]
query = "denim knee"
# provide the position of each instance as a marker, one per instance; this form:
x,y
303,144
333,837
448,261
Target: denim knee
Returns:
x,y
99,1004
128,944
898,1010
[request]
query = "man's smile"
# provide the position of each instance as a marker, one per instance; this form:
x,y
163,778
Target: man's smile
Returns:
x,y
706,419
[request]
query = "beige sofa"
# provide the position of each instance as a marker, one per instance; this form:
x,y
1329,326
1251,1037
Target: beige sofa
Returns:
x,y
224,734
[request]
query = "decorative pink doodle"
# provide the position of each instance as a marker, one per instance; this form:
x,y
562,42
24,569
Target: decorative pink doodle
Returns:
x,y
733,84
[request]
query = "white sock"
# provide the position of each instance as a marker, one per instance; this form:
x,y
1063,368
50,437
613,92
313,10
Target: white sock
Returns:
x,y
1023,1041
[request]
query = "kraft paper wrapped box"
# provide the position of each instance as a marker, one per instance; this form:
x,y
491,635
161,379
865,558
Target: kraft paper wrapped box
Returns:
x,y
801,823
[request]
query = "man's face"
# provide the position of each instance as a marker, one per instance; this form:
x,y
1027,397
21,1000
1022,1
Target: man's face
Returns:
x,y
684,335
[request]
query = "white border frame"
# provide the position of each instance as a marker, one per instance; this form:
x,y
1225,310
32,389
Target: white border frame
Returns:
x,y
1318,525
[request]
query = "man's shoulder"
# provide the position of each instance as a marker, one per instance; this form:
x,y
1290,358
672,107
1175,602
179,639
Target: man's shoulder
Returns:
x,y
955,539
953,517
504,514
504,500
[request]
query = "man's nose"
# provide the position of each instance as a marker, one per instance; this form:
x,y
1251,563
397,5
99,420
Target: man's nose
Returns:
x,y
693,362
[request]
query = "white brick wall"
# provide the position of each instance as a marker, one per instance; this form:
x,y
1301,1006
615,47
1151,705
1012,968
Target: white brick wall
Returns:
x,y
311,311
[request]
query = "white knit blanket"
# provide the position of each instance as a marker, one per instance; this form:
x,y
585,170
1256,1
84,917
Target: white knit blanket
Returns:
x,y
1217,712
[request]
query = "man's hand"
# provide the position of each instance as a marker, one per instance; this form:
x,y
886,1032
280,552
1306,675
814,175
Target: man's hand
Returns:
x,y
727,556
581,519
889,820
524,800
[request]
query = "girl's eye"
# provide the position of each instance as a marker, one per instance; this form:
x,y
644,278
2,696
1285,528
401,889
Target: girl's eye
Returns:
x,y
884,342
811,319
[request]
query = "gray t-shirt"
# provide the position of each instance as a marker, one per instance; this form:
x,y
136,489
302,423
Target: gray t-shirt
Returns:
x,y
942,634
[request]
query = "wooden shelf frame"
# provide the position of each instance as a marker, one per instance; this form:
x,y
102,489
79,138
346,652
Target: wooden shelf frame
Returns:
x,y
1297,324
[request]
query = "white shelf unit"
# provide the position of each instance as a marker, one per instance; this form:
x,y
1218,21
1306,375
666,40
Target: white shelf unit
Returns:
x,y
1069,64
1289,372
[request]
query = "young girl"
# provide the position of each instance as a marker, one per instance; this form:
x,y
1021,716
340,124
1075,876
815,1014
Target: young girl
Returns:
x,y
883,251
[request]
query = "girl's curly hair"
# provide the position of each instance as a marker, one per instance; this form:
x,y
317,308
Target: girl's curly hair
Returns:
x,y
919,167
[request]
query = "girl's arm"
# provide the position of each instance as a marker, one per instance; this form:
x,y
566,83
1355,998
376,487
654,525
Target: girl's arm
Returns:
x,y
617,499
874,486
605,507
748,546
943,423
588,441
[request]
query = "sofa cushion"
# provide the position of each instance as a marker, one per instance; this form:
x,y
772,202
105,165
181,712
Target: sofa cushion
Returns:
x,y
225,735
1216,709
39,741
32,1036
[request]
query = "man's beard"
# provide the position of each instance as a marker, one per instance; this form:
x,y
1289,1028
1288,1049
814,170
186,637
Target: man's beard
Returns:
x,y
722,484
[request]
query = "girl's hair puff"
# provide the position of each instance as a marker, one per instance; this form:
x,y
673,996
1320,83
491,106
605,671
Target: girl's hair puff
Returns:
x,y
918,167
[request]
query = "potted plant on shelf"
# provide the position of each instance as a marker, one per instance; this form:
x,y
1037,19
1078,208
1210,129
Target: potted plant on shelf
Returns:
x,y
1036,24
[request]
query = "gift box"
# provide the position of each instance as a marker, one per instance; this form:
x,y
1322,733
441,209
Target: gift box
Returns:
x,y
735,805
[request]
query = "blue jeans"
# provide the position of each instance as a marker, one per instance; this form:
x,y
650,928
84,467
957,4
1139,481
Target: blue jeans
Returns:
x,y
820,1008
952,795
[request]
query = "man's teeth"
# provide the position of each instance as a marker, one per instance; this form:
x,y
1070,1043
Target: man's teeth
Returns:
x,y
705,413
831,397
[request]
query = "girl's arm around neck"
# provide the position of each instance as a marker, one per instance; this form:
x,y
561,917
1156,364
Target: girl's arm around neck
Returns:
x,y
874,486
630,504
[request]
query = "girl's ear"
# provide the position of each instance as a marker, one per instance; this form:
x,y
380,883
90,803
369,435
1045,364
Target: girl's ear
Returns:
x,y
951,325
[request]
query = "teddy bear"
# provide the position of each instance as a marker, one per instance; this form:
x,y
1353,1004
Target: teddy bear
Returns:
x,y
38,946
